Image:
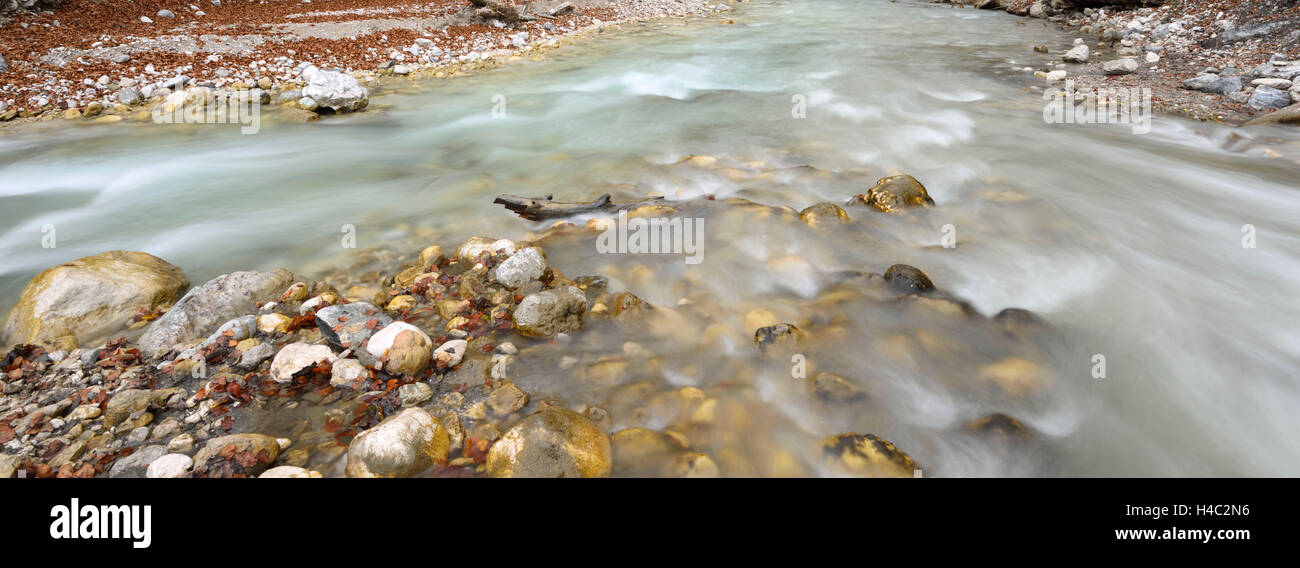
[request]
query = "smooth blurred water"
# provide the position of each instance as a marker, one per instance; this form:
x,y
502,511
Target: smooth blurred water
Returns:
x,y
1130,246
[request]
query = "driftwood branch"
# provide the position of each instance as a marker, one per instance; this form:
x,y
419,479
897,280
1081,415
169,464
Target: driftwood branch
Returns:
x,y
539,208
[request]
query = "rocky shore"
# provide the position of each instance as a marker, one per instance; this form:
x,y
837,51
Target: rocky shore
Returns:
x,y
103,62
1235,62
482,360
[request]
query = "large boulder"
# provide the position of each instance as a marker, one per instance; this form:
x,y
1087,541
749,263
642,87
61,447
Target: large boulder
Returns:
x,y
334,89
555,442
402,445
91,297
205,307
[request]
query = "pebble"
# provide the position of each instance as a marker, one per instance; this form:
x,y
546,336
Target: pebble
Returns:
x,y
449,354
295,357
169,466
401,348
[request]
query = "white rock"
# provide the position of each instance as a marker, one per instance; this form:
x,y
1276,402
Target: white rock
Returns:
x,y
346,371
451,352
295,357
402,445
169,466
521,268
1078,54
1123,66
383,339
334,89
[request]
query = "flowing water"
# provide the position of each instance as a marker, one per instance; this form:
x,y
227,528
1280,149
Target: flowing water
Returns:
x,y
1129,246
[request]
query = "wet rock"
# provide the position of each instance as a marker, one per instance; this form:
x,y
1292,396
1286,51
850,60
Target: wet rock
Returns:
x,y
255,354
135,464
414,394
85,412
91,297
908,279
695,465
349,325
402,445
1214,84
472,249
169,466
1000,426
1018,322
181,443
547,313
273,323
346,372
823,214
895,193
401,348
506,399
834,389
779,335
264,447
554,442
1014,375
866,456
641,451
9,465
290,472
1124,66
1267,98
218,300
449,354
68,454
334,89
521,268
401,303
127,402
295,357
627,305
